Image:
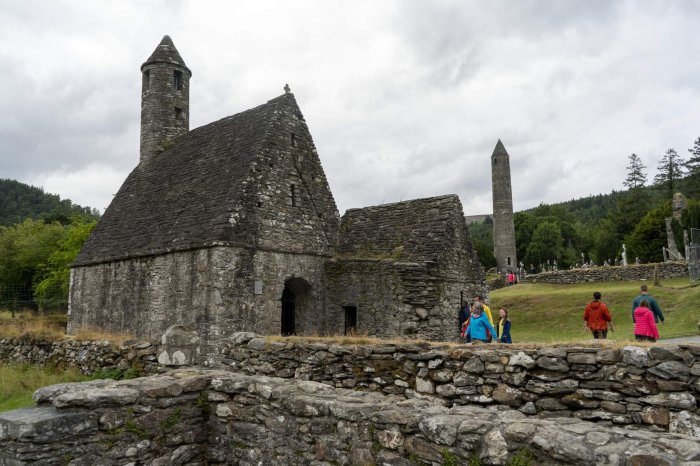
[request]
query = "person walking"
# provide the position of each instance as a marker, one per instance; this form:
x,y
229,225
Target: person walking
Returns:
x,y
480,328
463,314
653,305
503,327
597,317
486,310
644,325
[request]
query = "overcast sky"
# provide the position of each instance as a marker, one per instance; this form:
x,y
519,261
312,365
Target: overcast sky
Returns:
x,y
404,99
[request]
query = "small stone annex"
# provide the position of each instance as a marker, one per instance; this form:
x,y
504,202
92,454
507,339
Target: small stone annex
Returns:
x,y
233,227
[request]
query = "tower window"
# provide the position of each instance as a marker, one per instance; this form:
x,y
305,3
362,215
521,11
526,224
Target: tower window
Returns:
x,y
179,115
508,260
146,79
294,140
294,195
177,80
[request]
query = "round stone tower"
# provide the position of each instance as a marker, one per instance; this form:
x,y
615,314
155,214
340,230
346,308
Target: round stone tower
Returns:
x,y
503,226
165,99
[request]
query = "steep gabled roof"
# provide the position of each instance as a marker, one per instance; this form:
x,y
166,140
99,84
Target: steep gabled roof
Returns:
x,y
166,53
416,230
196,194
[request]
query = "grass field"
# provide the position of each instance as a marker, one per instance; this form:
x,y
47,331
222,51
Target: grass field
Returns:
x,y
19,381
552,313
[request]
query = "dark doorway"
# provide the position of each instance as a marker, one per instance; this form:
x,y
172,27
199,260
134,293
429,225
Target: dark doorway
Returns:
x,y
288,312
350,319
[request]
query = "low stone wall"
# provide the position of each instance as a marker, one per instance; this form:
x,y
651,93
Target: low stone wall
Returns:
x,y
87,356
657,386
609,274
216,417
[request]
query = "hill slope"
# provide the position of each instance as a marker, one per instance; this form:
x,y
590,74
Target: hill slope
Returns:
x,y
546,313
19,201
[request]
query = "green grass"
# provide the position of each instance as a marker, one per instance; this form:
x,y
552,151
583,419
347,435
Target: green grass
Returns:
x,y
553,313
19,381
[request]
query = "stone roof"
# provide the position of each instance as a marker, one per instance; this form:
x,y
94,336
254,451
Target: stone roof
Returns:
x,y
500,149
416,230
166,53
198,193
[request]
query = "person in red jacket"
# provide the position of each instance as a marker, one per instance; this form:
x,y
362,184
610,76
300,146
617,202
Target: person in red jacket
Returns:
x,y
597,317
644,325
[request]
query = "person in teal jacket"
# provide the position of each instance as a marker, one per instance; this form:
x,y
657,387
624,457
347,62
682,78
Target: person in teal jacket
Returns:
x,y
653,305
479,326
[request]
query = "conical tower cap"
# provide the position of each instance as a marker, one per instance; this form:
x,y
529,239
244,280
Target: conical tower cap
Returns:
x,y
166,53
500,149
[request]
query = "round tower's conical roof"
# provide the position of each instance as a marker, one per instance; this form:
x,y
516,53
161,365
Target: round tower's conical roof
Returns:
x,y
166,53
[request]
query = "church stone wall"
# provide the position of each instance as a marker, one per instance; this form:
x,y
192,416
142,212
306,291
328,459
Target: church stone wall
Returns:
x,y
395,298
218,290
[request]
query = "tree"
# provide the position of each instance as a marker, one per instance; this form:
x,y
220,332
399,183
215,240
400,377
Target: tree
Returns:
x,y
693,163
649,236
51,292
24,250
546,244
693,167
636,177
670,170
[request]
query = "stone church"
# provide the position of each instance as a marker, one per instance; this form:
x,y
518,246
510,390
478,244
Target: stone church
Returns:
x,y
232,226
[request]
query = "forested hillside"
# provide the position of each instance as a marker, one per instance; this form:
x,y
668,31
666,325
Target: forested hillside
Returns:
x,y
40,236
19,201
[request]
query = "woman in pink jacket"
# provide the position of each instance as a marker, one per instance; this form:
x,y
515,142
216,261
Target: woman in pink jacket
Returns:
x,y
644,325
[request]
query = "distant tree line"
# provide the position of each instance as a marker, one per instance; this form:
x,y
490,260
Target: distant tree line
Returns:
x,y
40,236
19,201
597,226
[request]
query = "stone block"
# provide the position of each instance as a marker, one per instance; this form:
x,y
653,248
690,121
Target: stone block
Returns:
x,y
180,346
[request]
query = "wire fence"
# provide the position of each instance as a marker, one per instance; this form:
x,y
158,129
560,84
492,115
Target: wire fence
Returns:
x,y
14,298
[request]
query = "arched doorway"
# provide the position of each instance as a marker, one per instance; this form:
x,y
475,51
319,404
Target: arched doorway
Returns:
x,y
295,295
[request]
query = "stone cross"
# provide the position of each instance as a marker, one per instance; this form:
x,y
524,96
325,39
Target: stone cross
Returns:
x,y
624,255
287,90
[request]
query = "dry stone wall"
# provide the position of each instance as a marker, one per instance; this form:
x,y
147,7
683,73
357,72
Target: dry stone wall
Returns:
x,y
656,387
199,417
87,356
616,273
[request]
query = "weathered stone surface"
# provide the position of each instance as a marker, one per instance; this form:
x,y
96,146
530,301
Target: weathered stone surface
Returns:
x,y
521,359
655,415
311,421
635,356
670,370
684,422
93,397
552,363
506,395
44,425
632,272
679,400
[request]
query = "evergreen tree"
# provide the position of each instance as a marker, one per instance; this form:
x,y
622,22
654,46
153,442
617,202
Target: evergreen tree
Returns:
x,y
670,171
693,163
636,177
692,183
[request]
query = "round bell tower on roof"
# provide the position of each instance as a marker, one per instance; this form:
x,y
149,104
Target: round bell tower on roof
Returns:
x,y
165,99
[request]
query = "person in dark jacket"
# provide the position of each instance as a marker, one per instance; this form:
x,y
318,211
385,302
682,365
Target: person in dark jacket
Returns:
x,y
503,327
597,317
653,305
463,313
